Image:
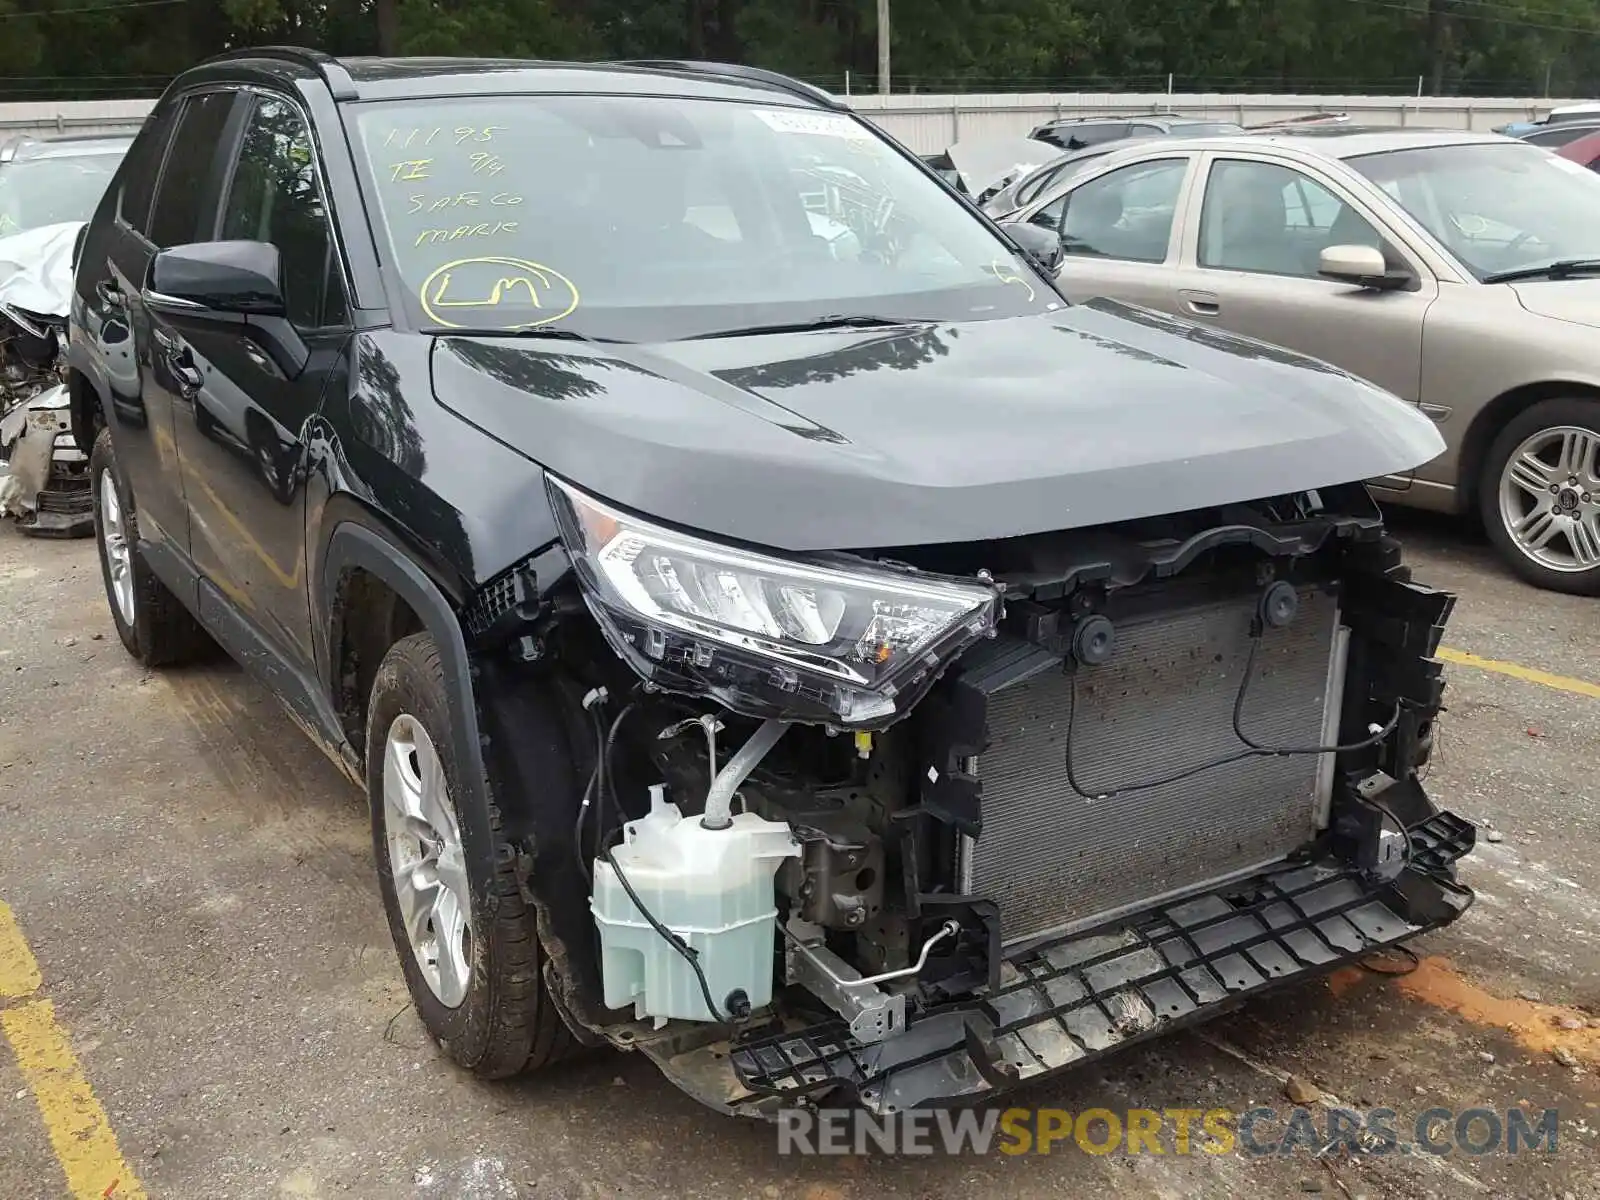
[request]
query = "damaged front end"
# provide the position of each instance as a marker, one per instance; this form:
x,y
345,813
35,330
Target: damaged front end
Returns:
x,y
44,475
909,826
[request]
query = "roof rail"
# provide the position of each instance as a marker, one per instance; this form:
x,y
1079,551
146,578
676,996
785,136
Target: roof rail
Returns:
x,y
329,68
756,75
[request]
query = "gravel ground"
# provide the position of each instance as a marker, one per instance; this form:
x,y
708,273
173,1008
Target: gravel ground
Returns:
x,y
195,882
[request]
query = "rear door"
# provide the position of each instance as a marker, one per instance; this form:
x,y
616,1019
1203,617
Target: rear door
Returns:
x,y
1120,231
170,163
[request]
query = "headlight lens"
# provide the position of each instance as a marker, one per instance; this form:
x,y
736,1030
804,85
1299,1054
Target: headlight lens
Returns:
x,y
766,635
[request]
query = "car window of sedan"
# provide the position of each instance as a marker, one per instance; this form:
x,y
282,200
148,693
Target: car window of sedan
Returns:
x,y
190,170
274,196
1124,214
1274,220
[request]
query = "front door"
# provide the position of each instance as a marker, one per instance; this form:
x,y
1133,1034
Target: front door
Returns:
x,y
250,388
1251,268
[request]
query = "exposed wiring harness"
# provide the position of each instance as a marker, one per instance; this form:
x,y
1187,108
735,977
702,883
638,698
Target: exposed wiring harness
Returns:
x,y
1252,748
601,790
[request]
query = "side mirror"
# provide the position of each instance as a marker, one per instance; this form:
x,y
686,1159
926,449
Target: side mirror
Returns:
x,y
1363,266
1042,246
217,278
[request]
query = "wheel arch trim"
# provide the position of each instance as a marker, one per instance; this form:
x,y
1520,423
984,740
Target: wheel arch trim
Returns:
x,y
353,546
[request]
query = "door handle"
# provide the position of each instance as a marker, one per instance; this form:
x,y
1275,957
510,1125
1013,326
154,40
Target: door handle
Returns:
x,y
110,293
180,361
1201,304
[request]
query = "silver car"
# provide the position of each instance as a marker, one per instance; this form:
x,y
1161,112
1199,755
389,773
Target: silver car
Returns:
x,y
1460,271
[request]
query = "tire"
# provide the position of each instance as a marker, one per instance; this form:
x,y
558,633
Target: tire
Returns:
x,y
153,624
1551,538
489,1013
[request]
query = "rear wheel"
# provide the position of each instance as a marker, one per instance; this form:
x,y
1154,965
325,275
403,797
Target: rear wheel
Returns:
x,y
467,938
152,622
1540,495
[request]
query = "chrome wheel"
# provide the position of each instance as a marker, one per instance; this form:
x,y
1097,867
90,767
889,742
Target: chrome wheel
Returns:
x,y
114,544
426,860
1550,498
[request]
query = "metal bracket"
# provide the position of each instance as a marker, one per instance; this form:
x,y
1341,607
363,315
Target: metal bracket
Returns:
x,y
873,1014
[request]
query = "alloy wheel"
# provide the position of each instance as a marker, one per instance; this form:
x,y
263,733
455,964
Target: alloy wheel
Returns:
x,y
426,860
114,544
1550,498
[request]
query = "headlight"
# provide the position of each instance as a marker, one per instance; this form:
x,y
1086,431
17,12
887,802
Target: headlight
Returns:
x,y
767,636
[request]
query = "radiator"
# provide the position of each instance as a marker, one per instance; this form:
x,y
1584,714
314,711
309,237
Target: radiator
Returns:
x,y
1054,859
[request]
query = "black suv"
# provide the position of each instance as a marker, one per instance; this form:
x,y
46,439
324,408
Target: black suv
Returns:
x,y
774,630
1074,133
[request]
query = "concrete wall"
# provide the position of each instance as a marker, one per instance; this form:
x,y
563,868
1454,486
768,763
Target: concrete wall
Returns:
x,y
72,116
930,123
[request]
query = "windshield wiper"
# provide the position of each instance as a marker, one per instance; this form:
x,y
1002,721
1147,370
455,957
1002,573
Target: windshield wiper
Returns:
x,y
830,322
1562,268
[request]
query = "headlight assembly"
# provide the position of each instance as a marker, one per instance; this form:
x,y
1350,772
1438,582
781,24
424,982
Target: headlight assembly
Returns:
x,y
768,636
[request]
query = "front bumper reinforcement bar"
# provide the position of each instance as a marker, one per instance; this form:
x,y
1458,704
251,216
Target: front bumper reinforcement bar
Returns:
x,y
1065,1002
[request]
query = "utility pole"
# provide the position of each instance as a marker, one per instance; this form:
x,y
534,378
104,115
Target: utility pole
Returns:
x,y
883,47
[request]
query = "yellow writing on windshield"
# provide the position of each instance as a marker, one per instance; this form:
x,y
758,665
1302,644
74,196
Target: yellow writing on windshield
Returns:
x,y
431,236
411,168
406,138
484,163
1007,274
495,282
467,133
422,203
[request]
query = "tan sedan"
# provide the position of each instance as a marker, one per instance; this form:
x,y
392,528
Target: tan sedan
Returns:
x,y
1459,271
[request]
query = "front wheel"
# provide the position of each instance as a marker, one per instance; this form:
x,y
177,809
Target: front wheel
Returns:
x,y
1540,495
468,940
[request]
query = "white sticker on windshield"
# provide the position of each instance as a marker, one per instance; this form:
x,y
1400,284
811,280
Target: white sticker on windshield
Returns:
x,y
1566,164
823,124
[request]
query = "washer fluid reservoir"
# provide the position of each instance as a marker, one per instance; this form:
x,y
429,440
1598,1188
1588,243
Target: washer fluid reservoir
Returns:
x,y
711,887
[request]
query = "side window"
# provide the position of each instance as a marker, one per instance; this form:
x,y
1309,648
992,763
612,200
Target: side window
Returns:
x,y
143,168
1094,134
1274,220
274,197
186,179
1127,213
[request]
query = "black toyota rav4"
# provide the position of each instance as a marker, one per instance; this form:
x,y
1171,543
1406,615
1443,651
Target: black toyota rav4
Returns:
x,y
774,630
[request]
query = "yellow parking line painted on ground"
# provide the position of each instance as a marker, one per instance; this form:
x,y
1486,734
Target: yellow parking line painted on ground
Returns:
x,y
1561,683
80,1133
19,973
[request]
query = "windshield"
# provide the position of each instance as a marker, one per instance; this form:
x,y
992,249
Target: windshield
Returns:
x,y
646,219
45,191
1496,207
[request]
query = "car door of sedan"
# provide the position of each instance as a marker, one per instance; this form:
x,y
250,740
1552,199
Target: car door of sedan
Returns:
x,y
1250,265
1119,229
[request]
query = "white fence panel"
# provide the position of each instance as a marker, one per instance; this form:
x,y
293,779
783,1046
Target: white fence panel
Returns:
x,y
927,124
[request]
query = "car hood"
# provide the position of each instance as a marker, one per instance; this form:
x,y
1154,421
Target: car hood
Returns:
x,y
984,162
1575,300
36,269
929,434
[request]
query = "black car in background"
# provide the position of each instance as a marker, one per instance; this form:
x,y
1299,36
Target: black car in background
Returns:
x,y
773,629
